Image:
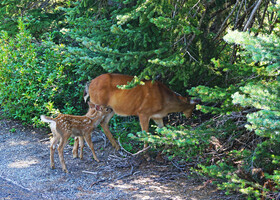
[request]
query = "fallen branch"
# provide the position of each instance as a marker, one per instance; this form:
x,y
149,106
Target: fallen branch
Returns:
x,y
133,154
145,149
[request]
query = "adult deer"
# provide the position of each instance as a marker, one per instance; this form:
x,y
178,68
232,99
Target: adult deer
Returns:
x,y
153,100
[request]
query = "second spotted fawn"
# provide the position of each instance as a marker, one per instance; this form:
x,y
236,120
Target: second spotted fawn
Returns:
x,y
64,126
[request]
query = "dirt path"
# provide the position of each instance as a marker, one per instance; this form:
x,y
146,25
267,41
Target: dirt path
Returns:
x,y
25,172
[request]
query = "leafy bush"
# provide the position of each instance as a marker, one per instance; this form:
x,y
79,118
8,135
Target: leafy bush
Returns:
x,y
121,127
34,79
176,142
43,16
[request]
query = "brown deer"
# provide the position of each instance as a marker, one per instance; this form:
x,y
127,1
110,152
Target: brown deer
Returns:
x,y
152,100
64,126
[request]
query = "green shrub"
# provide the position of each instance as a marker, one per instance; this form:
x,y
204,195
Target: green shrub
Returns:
x,y
121,127
34,79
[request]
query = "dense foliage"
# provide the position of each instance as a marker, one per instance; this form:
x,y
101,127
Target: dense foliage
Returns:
x,y
35,77
225,52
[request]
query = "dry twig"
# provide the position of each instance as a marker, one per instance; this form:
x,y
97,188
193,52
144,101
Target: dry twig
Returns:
x,y
88,172
44,140
101,180
133,154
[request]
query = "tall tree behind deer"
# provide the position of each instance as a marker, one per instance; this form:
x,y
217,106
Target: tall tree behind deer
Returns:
x,y
64,126
153,100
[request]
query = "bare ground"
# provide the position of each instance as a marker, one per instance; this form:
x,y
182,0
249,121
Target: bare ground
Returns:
x,y
25,172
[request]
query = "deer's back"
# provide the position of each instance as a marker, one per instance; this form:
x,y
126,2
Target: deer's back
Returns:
x,y
149,98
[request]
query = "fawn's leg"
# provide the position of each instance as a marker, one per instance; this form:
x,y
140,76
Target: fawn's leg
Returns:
x,y
54,142
81,141
75,147
60,148
90,144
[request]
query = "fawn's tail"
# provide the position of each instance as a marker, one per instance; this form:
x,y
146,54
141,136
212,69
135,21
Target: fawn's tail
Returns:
x,y
47,119
86,92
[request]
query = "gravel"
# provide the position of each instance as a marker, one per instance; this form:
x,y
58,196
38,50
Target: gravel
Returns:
x,y
25,172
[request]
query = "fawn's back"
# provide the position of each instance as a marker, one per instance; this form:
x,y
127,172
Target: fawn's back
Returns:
x,y
74,124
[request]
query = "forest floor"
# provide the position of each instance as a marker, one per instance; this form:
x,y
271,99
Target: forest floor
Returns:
x,y
25,172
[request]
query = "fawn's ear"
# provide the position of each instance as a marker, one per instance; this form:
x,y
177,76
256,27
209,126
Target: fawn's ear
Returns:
x,y
108,109
91,105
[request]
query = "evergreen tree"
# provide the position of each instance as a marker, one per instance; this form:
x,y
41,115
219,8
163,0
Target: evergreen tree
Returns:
x,y
42,15
60,45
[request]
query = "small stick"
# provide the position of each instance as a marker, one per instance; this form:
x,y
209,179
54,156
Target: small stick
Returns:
x,y
96,182
133,154
145,149
45,139
88,172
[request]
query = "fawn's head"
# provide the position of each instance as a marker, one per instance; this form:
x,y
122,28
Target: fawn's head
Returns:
x,y
97,110
92,111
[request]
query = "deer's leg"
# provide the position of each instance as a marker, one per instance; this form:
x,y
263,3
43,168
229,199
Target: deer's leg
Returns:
x,y
159,122
75,147
105,126
60,149
90,144
144,122
54,142
81,141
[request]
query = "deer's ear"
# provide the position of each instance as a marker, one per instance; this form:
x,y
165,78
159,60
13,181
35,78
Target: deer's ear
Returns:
x,y
195,101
